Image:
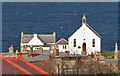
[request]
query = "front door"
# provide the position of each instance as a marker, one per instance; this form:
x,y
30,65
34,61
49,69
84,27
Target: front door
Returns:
x,y
84,47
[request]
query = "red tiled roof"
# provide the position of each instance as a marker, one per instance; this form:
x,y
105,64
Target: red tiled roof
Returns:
x,y
62,41
19,66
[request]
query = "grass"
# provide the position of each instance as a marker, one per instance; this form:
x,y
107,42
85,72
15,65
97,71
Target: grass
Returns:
x,y
108,54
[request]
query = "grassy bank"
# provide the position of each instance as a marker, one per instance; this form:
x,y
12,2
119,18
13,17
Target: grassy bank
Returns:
x,y
108,54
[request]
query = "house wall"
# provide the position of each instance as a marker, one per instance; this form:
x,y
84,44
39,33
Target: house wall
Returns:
x,y
36,48
61,49
84,33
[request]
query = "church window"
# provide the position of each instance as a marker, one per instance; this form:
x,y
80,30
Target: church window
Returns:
x,y
93,42
74,42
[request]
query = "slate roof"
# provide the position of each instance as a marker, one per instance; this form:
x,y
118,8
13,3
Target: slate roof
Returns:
x,y
62,41
19,66
41,57
48,38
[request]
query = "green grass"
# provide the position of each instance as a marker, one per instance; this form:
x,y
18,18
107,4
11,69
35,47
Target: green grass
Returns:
x,y
108,54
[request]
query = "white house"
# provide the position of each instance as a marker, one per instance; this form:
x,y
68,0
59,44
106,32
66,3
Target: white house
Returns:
x,y
85,39
36,40
62,45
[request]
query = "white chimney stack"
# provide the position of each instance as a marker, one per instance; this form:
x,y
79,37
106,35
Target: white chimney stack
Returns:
x,y
116,47
54,34
35,35
21,34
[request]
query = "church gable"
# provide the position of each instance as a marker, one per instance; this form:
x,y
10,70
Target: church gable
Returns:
x,y
83,29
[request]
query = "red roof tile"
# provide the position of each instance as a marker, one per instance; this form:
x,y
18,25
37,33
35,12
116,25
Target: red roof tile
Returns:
x,y
19,66
62,41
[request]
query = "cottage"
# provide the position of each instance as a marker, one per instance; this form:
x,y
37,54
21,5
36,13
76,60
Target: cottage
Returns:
x,y
85,40
37,41
62,45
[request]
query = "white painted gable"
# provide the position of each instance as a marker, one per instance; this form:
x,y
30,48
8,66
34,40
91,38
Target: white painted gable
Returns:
x,y
35,41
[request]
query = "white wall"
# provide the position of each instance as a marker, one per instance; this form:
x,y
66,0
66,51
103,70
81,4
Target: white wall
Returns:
x,y
61,49
84,33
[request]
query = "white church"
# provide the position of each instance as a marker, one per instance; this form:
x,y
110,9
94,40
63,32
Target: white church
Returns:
x,y
84,40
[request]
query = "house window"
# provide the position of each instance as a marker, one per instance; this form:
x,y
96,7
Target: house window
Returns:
x,y
74,42
93,42
65,47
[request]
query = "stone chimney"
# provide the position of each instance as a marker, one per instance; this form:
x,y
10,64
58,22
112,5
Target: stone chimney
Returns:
x,y
57,52
116,49
16,53
54,34
21,34
35,35
20,54
92,55
24,48
31,49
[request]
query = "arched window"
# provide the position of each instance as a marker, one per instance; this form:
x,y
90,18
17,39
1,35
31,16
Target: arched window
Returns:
x,y
93,42
74,43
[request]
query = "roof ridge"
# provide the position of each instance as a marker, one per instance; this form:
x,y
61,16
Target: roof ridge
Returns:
x,y
37,34
44,34
62,39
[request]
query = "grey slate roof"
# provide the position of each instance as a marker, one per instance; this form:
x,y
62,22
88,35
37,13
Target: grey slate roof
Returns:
x,y
26,38
41,57
48,38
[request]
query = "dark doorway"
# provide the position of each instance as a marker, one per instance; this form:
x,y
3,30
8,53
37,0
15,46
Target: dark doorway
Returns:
x,y
84,47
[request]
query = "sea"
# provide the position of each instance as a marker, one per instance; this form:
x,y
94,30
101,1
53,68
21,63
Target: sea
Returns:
x,y
64,18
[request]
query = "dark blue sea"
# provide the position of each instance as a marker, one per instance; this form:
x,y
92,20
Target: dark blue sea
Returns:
x,y
49,17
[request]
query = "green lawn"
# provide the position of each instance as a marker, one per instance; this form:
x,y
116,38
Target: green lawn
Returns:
x,y
109,54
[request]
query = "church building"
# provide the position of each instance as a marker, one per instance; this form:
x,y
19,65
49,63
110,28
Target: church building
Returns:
x,y
85,40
